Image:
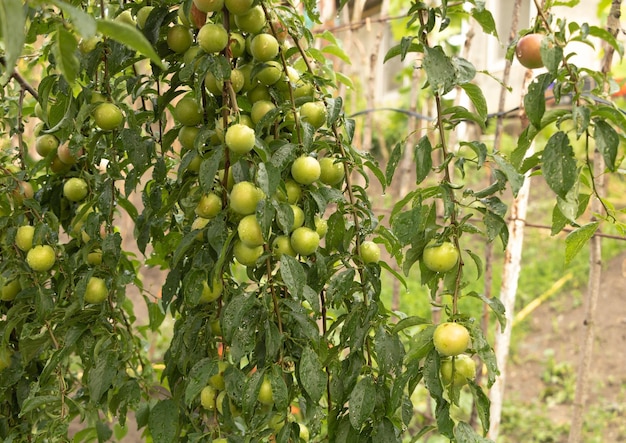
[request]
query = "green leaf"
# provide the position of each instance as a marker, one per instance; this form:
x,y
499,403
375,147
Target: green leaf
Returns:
x,y
464,433
535,100
197,379
395,273
445,424
566,3
485,19
279,387
183,246
251,392
333,108
208,170
406,225
464,70
612,114
293,275
394,160
477,97
495,304
268,178
477,262
484,351
515,178
84,23
431,374
163,421
423,159
389,351
234,313
103,431
337,52
482,404
569,206
312,376
340,285
336,231
273,340
386,432
607,142
581,118
496,226
439,69
421,344
235,381
559,165
605,35
407,44
409,322
32,403
64,50
361,405
458,114
551,55
372,166
12,33
576,239
102,374
346,80
131,37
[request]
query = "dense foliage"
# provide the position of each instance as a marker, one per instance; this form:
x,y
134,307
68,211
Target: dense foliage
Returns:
x,y
214,126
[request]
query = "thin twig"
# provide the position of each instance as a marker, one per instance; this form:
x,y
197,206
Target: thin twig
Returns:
x,y
21,81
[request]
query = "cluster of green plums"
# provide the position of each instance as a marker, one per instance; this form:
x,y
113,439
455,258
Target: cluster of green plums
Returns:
x,y
278,99
68,166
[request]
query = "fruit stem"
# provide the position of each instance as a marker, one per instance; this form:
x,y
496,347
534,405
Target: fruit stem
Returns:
x,y
268,264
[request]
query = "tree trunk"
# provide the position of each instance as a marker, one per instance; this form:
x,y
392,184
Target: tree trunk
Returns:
x,y
511,272
508,291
